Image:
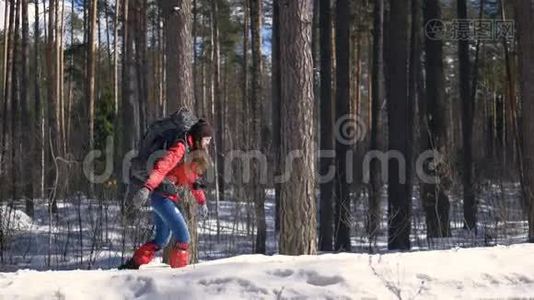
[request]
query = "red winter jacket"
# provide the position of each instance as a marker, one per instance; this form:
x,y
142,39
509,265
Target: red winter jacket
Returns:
x,y
172,167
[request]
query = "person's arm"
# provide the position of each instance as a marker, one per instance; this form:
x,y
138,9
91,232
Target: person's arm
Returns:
x,y
165,164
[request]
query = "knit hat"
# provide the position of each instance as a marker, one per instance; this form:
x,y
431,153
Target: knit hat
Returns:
x,y
201,129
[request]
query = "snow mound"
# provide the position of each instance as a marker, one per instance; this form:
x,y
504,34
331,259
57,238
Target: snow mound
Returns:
x,y
498,272
14,219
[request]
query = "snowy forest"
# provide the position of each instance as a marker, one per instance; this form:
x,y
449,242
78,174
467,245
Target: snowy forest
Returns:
x,y
340,127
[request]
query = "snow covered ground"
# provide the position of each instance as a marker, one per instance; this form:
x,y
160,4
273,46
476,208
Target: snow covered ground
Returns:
x,y
83,236
494,273
90,233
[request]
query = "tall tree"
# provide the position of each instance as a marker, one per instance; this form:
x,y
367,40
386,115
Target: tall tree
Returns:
x,y
276,105
15,107
6,75
215,107
38,133
400,126
244,188
54,141
129,125
377,98
342,215
8,63
525,18
5,57
27,185
298,211
116,57
217,100
91,67
197,100
256,100
327,141
60,22
469,204
434,130
177,22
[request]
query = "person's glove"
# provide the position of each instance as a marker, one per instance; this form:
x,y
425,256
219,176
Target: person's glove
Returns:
x,y
202,211
141,197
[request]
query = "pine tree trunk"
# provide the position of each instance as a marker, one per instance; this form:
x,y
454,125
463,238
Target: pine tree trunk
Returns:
x,y
38,132
60,16
7,61
298,211
525,18
4,162
217,92
343,146
177,20
400,127
256,101
15,108
377,98
511,97
194,29
327,141
469,205
213,90
129,133
276,107
91,67
434,131
27,186
179,54
116,57
141,63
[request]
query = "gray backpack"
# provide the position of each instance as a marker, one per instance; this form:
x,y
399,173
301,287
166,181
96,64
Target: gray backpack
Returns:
x,y
159,136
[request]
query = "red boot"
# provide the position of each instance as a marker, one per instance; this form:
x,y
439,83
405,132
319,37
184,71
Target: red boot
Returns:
x,y
145,253
179,257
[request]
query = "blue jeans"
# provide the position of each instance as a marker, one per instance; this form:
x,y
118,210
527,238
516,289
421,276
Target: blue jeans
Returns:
x,y
168,219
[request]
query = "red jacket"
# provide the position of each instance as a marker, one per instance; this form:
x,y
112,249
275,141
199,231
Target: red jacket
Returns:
x,y
172,167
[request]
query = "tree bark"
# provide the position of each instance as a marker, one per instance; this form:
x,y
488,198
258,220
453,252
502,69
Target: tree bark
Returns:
x,y
38,132
91,67
276,107
525,18
343,109
298,211
374,214
327,141
116,57
469,205
15,108
256,101
27,186
434,131
177,22
218,99
7,62
400,127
